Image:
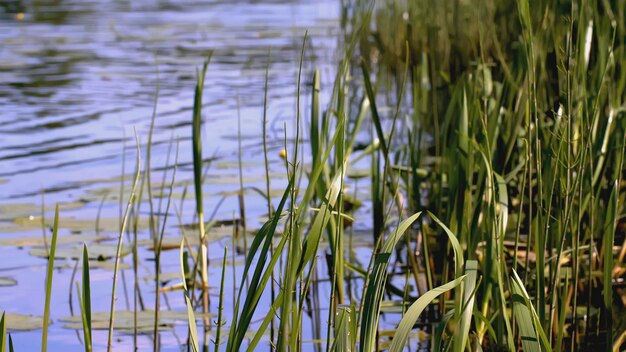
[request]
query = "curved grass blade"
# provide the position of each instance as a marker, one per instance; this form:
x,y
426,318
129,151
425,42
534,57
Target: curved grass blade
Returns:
x,y
523,318
312,241
469,284
414,311
376,284
119,245
191,318
192,325
456,246
530,327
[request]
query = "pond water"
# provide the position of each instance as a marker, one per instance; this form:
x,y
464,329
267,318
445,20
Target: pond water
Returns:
x,y
77,77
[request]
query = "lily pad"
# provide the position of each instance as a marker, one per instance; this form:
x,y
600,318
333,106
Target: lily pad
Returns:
x,y
169,242
224,165
359,173
10,211
94,264
164,277
98,251
215,179
29,223
215,233
107,265
124,320
111,191
23,322
274,193
32,241
7,281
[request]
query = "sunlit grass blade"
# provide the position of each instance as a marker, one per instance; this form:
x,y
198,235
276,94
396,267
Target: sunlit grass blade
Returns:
x,y
315,125
412,314
158,245
345,329
532,333
469,286
196,137
618,345
311,243
456,246
523,318
118,252
375,286
49,273
191,317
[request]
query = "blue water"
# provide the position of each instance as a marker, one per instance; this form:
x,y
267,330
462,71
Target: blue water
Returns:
x,y
78,77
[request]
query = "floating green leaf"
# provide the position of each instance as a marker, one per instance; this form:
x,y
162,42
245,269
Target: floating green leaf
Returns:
x,y
124,320
97,251
7,281
23,322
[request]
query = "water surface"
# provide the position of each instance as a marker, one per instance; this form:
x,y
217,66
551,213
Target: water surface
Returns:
x,y
77,78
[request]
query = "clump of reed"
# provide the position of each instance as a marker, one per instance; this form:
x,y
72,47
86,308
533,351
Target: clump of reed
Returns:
x,y
519,118
496,186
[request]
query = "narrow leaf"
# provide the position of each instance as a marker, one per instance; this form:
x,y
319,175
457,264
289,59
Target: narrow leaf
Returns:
x,y
49,273
414,311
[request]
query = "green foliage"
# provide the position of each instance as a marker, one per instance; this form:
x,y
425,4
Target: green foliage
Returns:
x,y
85,302
375,285
3,334
49,272
505,119
524,103
411,316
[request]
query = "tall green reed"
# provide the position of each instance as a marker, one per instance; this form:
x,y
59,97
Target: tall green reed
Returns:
x,y
49,273
118,252
197,172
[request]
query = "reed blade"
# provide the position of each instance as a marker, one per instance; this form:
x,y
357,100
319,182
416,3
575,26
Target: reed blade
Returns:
x,y
49,273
